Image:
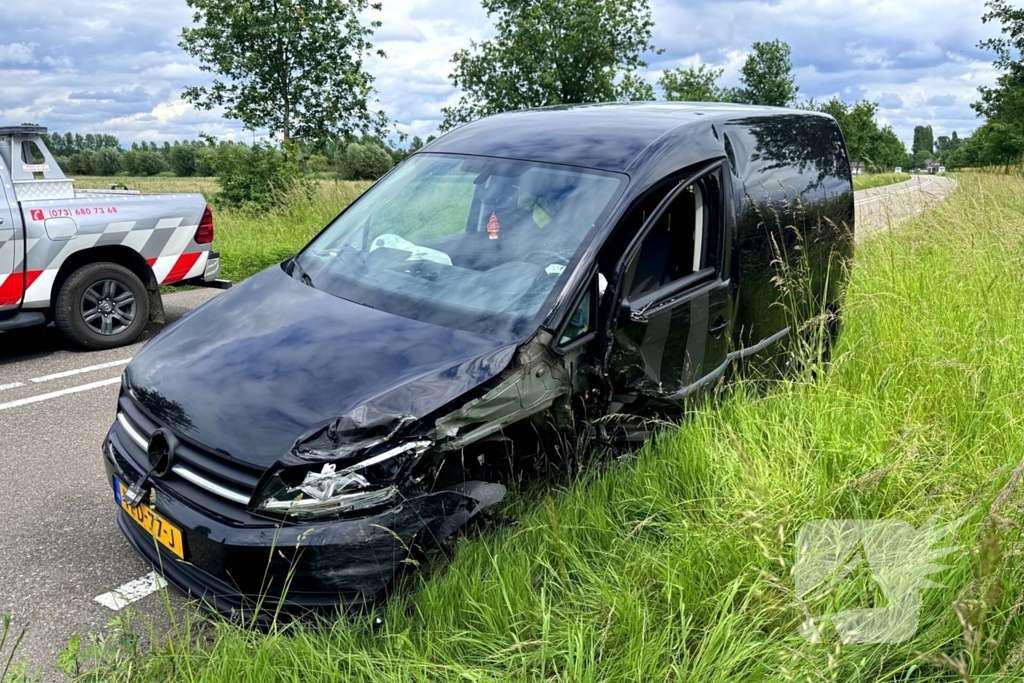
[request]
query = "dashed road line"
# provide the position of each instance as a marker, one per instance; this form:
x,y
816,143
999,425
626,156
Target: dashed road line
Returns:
x,y
79,371
13,385
56,394
132,591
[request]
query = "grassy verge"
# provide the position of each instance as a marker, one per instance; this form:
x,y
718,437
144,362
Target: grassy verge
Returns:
x,y
677,564
870,180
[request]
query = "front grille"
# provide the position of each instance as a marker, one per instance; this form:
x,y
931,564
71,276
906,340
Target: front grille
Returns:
x,y
195,467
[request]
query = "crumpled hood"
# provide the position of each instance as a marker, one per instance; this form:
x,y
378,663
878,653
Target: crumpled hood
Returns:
x,y
271,360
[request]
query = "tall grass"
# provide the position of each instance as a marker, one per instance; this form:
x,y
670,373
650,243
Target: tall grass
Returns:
x,y
676,563
249,242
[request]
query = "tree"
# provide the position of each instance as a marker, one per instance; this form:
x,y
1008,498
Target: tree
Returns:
x,y
879,148
184,159
1001,139
294,67
767,75
695,84
549,52
924,139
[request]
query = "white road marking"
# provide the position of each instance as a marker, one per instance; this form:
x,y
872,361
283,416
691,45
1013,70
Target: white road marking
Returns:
x,y
13,385
132,591
56,394
79,371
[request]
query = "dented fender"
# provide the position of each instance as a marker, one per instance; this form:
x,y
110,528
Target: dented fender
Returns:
x,y
538,377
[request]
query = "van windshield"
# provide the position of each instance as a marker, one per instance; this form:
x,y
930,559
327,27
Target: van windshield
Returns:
x,y
476,243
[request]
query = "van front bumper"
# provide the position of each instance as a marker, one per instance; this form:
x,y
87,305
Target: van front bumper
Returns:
x,y
249,570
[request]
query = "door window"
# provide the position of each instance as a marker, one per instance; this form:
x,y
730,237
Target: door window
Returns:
x,y
685,239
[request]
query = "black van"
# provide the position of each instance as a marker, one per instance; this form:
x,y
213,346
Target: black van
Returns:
x,y
528,275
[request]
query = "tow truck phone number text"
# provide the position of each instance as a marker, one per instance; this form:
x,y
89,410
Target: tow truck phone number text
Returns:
x,y
90,211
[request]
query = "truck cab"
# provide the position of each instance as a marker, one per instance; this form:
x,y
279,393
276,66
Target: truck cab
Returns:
x,y
91,261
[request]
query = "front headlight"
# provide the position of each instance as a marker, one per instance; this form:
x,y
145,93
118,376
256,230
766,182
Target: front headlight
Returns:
x,y
328,489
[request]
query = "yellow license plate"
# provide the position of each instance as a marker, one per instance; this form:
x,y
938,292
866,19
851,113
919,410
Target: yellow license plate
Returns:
x,y
159,528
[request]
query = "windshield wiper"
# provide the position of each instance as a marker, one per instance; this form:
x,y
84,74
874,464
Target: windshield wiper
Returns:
x,y
296,269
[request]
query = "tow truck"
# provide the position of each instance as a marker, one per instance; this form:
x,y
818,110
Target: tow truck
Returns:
x,y
92,261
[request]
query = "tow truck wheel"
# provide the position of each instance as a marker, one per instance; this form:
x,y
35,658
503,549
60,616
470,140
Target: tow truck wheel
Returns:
x,y
102,306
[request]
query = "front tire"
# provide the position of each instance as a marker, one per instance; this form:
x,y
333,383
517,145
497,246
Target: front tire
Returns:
x,y
102,306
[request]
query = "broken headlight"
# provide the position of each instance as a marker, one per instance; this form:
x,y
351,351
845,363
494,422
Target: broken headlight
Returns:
x,y
333,489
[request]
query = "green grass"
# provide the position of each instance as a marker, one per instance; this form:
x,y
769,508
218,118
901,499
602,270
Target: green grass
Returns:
x,y
249,243
676,563
870,180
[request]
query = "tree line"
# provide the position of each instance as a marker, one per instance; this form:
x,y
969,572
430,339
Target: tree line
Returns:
x,y
364,158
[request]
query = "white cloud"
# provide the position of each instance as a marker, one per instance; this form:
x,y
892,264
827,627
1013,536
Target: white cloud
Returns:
x,y
918,59
16,53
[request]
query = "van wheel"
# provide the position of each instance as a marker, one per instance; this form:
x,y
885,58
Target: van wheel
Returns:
x,y
102,306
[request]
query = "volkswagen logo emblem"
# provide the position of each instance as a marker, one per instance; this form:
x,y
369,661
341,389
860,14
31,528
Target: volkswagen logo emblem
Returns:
x,y
162,446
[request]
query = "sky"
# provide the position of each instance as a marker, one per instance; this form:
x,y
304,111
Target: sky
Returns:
x,y
114,66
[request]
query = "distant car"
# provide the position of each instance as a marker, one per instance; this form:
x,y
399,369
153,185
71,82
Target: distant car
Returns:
x,y
91,261
526,278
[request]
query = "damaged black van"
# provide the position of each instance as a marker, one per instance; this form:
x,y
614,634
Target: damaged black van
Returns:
x,y
529,275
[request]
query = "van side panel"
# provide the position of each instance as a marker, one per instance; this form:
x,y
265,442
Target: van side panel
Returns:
x,y
793,198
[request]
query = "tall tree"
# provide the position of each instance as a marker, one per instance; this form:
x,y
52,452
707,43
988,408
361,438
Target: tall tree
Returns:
x,y
695,84
294,67
767,75
549,52
1002,136
878,147
924,139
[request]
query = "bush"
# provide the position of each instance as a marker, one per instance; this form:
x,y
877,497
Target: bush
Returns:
x,y
366,161
144,162
81,163
318,163
106,161
252,176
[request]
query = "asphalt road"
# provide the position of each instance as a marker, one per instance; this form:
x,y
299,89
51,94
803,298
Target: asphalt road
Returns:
x,y
60,547
64,567
881,208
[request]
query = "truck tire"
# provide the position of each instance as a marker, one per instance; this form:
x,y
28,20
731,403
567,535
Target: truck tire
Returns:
x,y
102,306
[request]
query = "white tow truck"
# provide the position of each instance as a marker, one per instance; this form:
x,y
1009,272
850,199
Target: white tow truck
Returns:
x,y
91,261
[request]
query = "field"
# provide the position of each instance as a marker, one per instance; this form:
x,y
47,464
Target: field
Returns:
x,y
206,186
869,180
676,563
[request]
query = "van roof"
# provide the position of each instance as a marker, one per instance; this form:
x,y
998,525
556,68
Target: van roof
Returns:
x,y
610,137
